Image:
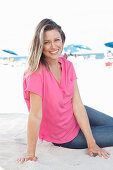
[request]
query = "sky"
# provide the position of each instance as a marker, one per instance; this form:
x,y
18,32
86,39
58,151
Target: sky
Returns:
x,y
84,22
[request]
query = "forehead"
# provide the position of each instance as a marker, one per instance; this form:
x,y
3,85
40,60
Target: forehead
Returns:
x,y
51,34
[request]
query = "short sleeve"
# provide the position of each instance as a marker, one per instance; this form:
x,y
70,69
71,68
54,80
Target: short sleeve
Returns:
x,y
32,83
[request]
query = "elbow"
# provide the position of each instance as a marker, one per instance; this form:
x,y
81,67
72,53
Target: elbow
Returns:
x,y
36,115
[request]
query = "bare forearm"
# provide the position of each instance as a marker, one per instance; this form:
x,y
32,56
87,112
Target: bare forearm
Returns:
x,y
32,134
83,122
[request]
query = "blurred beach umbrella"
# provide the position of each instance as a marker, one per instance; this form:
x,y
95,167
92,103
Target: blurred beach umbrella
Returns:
x,y
109,44
10,52
72,48
83,47
4,55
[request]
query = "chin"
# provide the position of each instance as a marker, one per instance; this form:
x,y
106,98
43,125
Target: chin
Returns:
x,y
54,57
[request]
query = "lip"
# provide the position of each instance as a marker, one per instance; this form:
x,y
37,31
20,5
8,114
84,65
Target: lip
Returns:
x,y
54,52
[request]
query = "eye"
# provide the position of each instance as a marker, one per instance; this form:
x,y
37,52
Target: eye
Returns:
x,y
57,39
46,42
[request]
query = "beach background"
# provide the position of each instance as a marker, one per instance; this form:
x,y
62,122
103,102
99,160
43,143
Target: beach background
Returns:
x,y
84,22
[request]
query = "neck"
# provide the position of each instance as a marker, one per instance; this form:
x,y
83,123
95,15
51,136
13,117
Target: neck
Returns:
x,y
53,62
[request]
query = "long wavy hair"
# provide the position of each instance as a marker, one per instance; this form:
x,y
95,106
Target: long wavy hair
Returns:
x,y
36,49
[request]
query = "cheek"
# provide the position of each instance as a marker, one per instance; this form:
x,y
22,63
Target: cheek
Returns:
x,y
45,49
61,45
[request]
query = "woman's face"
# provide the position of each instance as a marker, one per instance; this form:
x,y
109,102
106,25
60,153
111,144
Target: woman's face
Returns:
x,y
53,44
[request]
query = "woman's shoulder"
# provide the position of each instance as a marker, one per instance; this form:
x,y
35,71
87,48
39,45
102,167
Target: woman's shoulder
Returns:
x,y
36,73
65,61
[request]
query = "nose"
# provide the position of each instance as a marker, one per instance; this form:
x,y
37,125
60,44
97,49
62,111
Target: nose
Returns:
x,y
53,45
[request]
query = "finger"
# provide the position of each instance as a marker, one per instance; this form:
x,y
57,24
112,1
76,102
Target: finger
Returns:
x,y
99,154
22,160
31,159
91,153
35,158
19,160
105,155
27,159
107,152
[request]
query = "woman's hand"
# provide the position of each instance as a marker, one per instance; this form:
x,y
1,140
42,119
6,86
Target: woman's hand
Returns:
x,y
27,158
94,150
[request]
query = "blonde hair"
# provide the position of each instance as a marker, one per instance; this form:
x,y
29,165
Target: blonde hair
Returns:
x,y
36,49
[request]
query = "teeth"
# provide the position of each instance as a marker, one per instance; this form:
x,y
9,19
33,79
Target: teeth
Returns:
x,y
54,52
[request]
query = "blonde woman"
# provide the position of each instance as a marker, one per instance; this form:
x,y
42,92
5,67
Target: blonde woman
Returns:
x,y
56,111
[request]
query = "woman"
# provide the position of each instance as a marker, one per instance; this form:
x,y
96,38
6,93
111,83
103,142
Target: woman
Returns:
x,y
56,112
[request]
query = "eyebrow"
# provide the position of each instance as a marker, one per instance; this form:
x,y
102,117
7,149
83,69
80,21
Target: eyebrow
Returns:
x,y
55,38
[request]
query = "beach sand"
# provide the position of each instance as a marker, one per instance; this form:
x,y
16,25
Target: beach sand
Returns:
x,y
96,88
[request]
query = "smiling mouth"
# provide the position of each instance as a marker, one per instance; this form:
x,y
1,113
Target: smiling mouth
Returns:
x,y
54,52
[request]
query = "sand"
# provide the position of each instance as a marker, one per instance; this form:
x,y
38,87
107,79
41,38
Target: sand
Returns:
x,y
95,84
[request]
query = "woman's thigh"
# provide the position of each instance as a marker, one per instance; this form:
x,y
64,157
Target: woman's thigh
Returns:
x,y
103,136
97,118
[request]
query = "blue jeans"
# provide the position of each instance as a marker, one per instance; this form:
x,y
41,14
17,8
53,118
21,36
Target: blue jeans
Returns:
x,y
102,130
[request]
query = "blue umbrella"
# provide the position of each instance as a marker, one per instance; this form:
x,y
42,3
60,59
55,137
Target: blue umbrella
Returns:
x,y
10,52
83,47
109,44
74,48
70,48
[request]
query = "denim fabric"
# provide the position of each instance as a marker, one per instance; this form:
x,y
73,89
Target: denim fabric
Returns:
x,y
102,130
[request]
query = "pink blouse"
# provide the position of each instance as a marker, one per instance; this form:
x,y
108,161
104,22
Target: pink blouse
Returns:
x,y
58,123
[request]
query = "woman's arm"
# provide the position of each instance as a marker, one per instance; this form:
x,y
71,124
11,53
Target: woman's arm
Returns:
x,y
81,115
83,121
34,121
33,127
